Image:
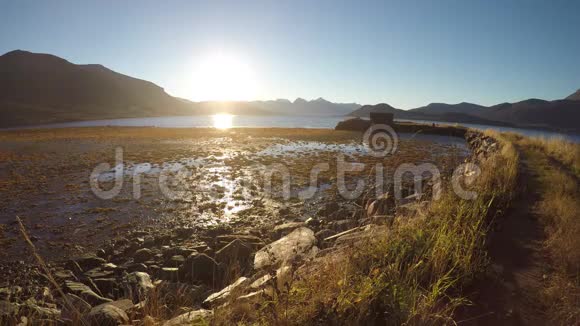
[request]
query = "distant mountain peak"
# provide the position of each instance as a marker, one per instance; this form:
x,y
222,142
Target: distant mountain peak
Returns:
x,y
575,96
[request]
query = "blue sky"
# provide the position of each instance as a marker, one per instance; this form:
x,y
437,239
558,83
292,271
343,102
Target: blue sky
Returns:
x,y
405,53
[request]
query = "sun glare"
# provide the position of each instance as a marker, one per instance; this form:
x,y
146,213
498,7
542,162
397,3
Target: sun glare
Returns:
x,y
222,121
221,77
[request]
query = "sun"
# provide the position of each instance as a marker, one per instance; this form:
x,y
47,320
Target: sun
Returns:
x,y
222,121
223,77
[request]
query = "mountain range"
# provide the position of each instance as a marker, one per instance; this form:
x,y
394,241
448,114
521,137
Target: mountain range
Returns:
x,y
42,88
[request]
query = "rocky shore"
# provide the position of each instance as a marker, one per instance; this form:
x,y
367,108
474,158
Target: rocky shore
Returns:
x,y
150,275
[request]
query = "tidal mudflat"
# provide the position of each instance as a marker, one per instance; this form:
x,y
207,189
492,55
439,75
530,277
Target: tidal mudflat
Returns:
x,y
215,179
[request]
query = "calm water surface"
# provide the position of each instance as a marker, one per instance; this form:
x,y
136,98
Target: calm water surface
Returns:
x,y
227,121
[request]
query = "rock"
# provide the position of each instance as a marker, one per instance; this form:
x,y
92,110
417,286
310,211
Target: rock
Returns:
x,y
174,251
283,229
74,307
343,225
138,285
142,255
176,261
323,234
201,316
199,268
169,273
89,262
224,295
236,250
281,277
286,249
64,275
124,304
107,315
381,206
85,293
98,273
312,222
139,267
106,285
328,209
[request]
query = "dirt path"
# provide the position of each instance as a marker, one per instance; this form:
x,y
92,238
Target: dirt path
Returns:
x,y
510,295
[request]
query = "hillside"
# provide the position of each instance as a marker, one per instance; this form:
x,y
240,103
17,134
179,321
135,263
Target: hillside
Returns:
x,y
440,108
574,97
559,114
42,88
426,114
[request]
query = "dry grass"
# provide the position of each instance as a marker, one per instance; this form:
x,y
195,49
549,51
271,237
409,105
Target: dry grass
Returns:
x,y
559,206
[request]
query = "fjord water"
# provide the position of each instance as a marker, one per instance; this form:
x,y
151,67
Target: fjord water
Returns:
x,y
274,121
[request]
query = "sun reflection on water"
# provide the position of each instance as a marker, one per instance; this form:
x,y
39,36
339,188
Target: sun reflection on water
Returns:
x,y
222,120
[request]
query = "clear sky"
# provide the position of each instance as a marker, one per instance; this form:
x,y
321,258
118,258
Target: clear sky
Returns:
x,y
405,53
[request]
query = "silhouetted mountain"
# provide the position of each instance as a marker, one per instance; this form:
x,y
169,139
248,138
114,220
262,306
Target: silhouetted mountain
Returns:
x,y
365,110
575,96
42,88
440,108
559,114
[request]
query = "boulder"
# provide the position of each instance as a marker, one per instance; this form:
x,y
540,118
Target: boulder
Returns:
x,y
224,295
199,268
137,285
143,255
286,249
106,315
235,251
201,316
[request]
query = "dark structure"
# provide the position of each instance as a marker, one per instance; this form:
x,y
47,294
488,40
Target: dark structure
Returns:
x,y
381,118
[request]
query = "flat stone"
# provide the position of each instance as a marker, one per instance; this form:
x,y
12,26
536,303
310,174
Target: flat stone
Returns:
x,y
85,293
286,249
89,262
